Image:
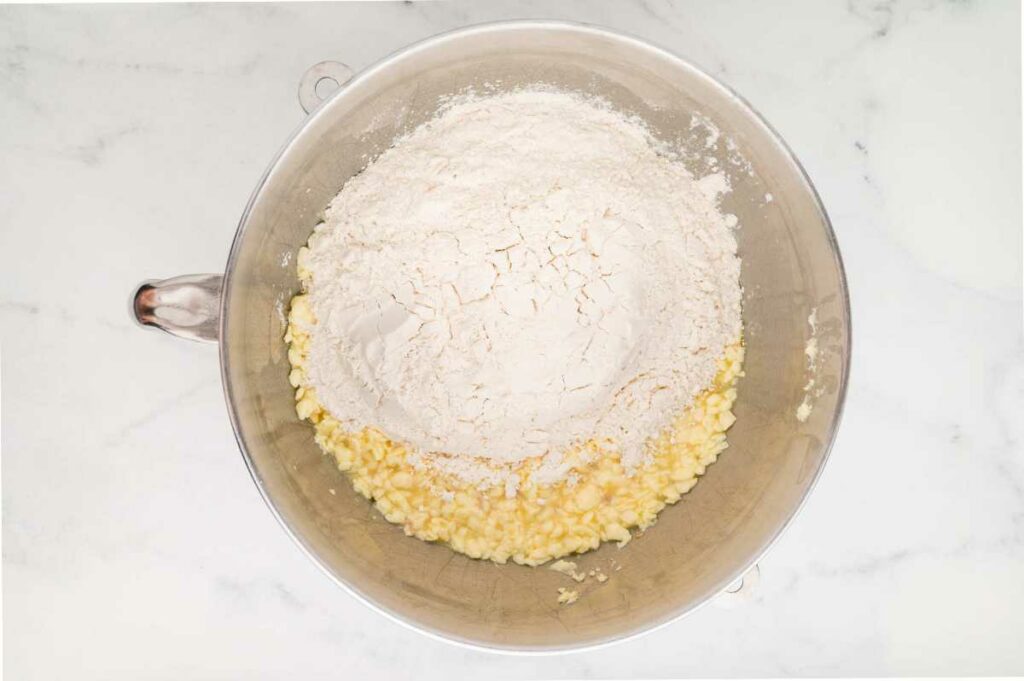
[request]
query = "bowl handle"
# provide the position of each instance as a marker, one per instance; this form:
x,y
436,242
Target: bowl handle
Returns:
x,y
187,306
330,71
742,591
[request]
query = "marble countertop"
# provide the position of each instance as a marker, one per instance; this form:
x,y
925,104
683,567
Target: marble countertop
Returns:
x,y
134,543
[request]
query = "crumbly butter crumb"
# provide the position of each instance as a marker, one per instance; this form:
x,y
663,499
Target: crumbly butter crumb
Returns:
x,y
567,596
566,567
569,571
804,409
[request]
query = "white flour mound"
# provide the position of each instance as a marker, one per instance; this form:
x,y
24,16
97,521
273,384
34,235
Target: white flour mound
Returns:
x,y
521,274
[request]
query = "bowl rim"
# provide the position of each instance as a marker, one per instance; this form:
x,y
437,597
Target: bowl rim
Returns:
x,y
640,43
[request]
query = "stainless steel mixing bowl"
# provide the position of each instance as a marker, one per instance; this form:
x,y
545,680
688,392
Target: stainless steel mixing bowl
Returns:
x,y
791,266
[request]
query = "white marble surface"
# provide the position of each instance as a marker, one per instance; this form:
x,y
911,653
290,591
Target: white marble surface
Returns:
x,y
135,545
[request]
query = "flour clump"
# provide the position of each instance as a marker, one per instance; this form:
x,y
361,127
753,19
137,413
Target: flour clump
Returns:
x,y
522,274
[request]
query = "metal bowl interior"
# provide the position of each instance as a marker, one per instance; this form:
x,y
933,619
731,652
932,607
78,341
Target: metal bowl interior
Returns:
x,y
717,531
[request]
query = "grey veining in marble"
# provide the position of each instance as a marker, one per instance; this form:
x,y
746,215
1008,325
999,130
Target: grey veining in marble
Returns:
x,y
135,545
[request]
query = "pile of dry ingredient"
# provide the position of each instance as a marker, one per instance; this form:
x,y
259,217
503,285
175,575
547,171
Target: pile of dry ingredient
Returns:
x,y
519,331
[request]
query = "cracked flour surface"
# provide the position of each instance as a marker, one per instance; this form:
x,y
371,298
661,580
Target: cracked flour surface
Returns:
x,y
521,274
